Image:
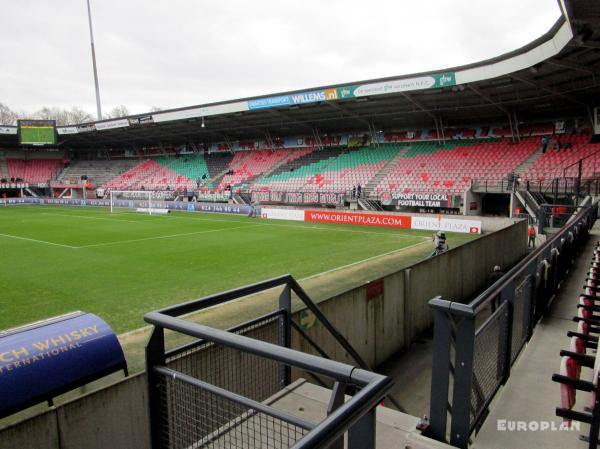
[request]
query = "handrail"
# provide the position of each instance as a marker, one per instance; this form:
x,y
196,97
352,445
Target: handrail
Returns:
x,y
287,279
459,329
255,405
578,161
483,299
374,386
284,280
336,370
196,305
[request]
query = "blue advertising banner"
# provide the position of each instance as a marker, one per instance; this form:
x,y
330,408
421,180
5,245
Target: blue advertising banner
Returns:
x,y
309,97
270,102
48,358
313,96
134,204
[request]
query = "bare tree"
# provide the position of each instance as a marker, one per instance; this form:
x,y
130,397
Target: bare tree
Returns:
x,y
62,116
78,115
58,114
117,111
7,115
155,109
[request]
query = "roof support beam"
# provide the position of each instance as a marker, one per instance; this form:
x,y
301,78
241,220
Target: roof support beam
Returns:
x,y
487,98
289,117
549,90
418,104
243,125
348,113
565,63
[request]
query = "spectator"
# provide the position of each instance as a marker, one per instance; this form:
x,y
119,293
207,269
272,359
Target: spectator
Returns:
x,y
544,144
496,275
353,192
531,233
510,180
440,239
439,243
439,249
358,191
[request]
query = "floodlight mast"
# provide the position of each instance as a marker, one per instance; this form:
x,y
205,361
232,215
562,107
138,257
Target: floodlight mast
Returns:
x,y
98,108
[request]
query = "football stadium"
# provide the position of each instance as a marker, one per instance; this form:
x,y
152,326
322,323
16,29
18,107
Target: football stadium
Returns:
x,y
401,262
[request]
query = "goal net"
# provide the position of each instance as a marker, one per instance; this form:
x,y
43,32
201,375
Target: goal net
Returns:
x,y
143,201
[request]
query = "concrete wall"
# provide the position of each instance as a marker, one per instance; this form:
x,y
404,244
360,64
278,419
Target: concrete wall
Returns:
x,y
380,326
115,417
377,323
472,197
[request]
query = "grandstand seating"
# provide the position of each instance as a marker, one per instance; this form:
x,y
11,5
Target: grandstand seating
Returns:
x,y
217,163
192,167
98,172
331,170
552,163
422,166
247,165
173,173
150,175
34,171
572,378
449,169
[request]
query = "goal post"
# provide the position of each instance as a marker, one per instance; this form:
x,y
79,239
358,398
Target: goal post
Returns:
x,y
133,200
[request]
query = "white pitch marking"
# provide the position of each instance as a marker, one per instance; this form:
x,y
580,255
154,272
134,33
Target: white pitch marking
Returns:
x,y
38,241
94,218
163,237
313,228
362,261
316,228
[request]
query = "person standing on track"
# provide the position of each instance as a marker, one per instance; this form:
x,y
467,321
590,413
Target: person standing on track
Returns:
x,y
531,233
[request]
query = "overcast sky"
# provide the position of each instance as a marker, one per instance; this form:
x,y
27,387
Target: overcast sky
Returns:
x,y
174,53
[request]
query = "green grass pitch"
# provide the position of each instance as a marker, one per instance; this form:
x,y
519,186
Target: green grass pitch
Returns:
x,y
120,266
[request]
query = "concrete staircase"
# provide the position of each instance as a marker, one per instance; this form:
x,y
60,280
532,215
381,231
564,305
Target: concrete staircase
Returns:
x,y
251,181
374,182
527,162
3,168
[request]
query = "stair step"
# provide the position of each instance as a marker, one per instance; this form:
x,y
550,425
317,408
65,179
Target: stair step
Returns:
x,y
374,182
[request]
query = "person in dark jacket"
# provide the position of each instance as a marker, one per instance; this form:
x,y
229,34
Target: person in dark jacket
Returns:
x,y
496,275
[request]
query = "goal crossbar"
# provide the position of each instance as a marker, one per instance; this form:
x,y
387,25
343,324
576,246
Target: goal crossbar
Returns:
x,y
139,195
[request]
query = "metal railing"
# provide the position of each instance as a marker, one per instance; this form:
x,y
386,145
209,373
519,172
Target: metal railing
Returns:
x,y
476,344
217,388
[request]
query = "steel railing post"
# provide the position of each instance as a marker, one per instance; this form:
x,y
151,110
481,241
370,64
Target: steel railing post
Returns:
x,y
362,434
440,375
508,296
285,304
155,356
336,401
463,382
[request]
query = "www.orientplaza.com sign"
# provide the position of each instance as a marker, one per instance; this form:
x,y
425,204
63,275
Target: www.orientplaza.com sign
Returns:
x,y
421,200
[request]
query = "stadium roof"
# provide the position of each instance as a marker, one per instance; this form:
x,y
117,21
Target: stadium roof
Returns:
x,y
555,76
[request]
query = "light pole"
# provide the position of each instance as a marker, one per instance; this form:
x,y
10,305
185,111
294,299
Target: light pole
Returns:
x,y
98,108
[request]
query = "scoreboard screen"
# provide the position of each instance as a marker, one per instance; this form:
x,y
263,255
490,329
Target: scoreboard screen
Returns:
x,y
37,132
